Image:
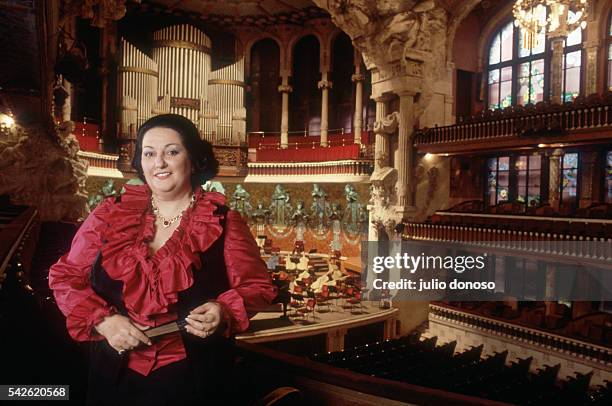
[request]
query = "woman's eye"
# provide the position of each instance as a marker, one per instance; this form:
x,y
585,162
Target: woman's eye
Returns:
x,y
148,154
173,152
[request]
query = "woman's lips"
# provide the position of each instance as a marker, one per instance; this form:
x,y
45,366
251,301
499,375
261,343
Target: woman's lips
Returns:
x,y
162,175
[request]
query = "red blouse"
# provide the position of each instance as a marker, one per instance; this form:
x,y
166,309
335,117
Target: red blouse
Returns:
x,y
151,282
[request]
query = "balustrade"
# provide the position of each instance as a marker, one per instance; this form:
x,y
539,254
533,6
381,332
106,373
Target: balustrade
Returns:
x,y
543,243
592,113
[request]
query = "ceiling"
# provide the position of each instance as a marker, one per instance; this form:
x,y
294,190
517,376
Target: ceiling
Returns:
x,y
249,12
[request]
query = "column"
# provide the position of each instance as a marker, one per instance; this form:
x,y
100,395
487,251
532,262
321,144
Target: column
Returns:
x,y
591,70
108,39
556,68
285,89
554,178
324,85
405,165
358,78
381,146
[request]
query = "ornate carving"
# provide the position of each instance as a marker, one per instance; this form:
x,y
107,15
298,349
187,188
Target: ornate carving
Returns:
x,y
357,77
280,207
285,89
227,157
387,125
101,12
241,201
40,171
324,84
386,31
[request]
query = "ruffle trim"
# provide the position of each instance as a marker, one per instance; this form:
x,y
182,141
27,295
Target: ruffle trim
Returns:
x,y
151,282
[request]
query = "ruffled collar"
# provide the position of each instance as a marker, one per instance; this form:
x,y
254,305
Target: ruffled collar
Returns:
x,y
151,282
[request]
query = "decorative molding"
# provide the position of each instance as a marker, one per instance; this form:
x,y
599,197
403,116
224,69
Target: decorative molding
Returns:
x,y
138,70
226,82
181,44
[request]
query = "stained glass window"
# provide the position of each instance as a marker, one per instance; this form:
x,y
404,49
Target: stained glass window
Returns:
x,y
514,178
500,75
572,62
609,177
569,179
528,174
610,55
531,82
498,180
521,75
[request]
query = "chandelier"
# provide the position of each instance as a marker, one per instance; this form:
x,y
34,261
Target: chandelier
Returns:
x,y
543,17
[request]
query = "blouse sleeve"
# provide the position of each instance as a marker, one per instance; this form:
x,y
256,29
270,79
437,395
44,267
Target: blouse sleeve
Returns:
x,y
69,279
250,284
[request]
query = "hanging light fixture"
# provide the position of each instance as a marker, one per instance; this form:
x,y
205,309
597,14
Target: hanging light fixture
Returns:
x,y
543,17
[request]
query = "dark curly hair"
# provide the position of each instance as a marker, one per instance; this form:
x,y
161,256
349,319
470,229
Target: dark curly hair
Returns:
x,y
201,155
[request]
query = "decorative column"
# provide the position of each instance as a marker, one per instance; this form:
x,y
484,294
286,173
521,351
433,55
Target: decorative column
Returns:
x,y
554,178
556,67
324,85
381,146
285,89
108,51
405,165
591,69
358,78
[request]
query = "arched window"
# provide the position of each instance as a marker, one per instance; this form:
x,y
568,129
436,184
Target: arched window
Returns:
x,y
517,74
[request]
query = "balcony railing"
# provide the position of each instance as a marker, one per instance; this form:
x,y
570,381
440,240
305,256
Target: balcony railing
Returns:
x,y
336,171
591,113
537,243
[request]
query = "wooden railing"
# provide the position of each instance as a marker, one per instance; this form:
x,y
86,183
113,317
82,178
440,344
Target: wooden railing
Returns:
x,y
540,243
351,168
19,228
592,113
511,331
97,160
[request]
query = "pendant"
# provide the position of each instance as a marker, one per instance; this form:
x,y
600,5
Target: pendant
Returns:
x,y
166,223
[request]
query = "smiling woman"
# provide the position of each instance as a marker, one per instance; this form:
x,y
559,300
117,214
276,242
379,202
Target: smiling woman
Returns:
x,y
165,254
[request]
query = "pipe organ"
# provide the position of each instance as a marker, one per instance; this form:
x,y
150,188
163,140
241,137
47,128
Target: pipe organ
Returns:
x,y
177,78
183,55
227,98
137,81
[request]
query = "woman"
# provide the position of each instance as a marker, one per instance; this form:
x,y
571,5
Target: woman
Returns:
x,y
165,251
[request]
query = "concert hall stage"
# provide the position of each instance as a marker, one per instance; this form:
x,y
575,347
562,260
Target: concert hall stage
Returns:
x,y
268,327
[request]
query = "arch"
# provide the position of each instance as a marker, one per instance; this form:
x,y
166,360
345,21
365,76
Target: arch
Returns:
x,y
496,23
264,113
254,40
297,38
305,100
341,96
454,24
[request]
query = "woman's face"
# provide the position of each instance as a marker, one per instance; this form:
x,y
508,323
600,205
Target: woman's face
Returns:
x,y
165,162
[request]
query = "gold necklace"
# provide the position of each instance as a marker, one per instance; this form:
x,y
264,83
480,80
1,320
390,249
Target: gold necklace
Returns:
x,y
168,222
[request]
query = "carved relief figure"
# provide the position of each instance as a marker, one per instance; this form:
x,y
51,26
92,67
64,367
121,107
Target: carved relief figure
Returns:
x,y
241,201
280,207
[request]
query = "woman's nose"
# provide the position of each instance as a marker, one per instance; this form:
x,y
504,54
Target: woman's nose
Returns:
x,y
160,162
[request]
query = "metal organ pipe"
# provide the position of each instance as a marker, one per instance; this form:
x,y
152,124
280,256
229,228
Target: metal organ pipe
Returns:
x,y
183,55
137,86
226,91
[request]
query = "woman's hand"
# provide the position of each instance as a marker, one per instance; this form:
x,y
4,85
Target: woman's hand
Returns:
x,y
121,333
204,320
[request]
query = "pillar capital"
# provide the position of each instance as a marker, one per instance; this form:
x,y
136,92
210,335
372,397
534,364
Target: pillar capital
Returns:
x,y
358,77
383,98
285,89
325,84
406,93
